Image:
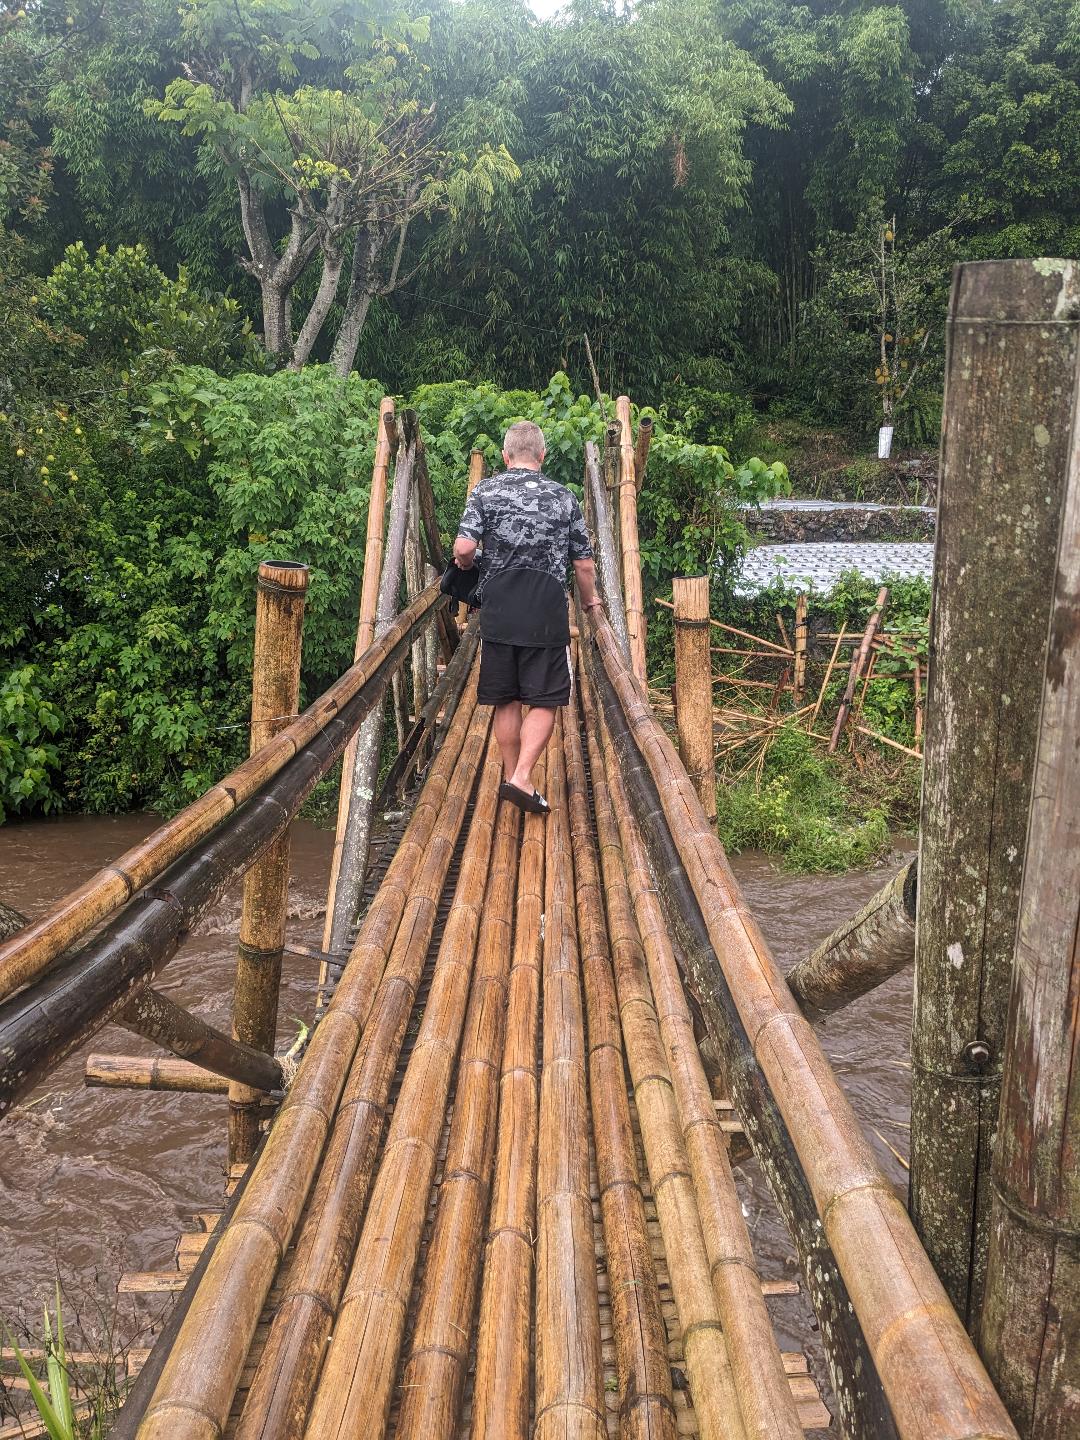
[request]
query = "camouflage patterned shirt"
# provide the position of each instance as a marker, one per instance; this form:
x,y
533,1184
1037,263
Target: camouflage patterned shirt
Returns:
x,y
531,528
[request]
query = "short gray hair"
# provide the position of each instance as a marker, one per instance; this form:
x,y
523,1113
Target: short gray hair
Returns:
x,y
524,438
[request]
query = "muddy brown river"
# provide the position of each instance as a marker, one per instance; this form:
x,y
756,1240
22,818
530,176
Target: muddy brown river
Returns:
x,y
97,1182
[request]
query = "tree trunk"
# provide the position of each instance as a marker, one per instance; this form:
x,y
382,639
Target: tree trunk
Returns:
x,y
366,248
333,261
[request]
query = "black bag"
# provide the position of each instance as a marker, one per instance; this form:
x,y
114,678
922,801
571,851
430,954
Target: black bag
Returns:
x,y
462,585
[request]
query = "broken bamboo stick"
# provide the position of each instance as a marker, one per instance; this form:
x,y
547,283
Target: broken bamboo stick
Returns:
x,y
641,449
828,677
799,683
734,630
858,664
159,1072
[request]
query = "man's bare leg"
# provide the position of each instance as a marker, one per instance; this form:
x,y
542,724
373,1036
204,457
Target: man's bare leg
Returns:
x,y
534,733
508,735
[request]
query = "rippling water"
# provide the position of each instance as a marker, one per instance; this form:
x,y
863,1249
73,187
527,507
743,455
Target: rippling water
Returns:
x,y
96,1182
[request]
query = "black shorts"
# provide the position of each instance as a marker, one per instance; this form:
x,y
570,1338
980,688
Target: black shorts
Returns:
x,y
537,674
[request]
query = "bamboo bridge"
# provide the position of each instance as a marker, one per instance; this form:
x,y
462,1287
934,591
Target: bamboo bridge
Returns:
x,y
493,1195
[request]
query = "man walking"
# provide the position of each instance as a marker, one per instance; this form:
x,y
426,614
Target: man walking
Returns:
x,y
531,529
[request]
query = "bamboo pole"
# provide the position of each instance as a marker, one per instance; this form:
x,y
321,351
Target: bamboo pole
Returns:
x,y
641,449
434,1377
1029,1331
569,1379
607,552
765,1404
799,683
433,546
357,1380
275,692
285,1381
347,881
693,686
994,580
858,664
200,1377
157,1018
734,630
611,466
500,1406
828,676
476,474
631,553
136,1072
645,1404
365,633
932,1376
917,684
861,954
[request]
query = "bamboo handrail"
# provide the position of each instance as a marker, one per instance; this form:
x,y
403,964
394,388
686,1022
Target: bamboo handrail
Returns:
x,y
357,1380
201,1374
500,1404
757,1367
631,550
644,1372
933,1378
607,553
30,952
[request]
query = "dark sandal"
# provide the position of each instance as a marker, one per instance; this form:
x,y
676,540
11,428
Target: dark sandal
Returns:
x,y
533,804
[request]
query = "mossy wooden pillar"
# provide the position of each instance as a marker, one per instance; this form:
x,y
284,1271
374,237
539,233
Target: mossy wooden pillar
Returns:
x,y
275,694
1029,1331
693,686
1009,413
631,552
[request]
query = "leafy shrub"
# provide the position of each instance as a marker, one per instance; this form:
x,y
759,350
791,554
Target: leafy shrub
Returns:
x,y
28,756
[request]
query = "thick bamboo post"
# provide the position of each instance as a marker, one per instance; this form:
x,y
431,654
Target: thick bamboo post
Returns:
x,y
275,694
693,686
858,665
199,1380
607,554
935,1384
799,681
644,1375
641,449
476,474
346,884
631,553
155,1016
640,934
500,1406
365,632
1010,417
1029,1331
861,954
136,1072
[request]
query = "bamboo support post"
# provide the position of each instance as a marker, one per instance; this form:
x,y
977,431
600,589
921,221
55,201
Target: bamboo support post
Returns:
x,y
438,1363
1011,415
861,954
49,1019
693,686
500,1404
157,1018
357,1380
200,1377
447,635
365,631
136,1072
347,876
644,1374
663,1025
607,553
1029,1331
799,683
275,692
631,553
641,449
933,1379
476,474
858,665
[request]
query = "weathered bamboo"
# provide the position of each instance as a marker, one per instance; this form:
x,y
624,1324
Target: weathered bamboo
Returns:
x,y
160,1019
934,1380
644,1374
11,922
284,1383
734,630
199,1379
693,686
344,896
275,692
1029,1331
607,554
799,681
434,1377
500,1406
1011,413
858,665
476,474
765,1404
861,954
641,449
631,552
569,1374
137,1072
447,635
357,1380
828,676
365,632
414,584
